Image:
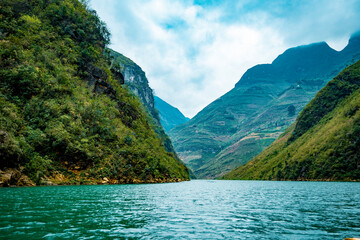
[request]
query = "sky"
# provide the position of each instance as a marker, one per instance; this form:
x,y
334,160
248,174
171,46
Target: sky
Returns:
x,y
194,51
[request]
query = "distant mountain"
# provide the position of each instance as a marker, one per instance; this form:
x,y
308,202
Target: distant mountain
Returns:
x,y
243,122
170,116
324,142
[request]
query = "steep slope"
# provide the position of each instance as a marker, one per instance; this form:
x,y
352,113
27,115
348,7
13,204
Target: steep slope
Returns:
x,y
324,142
170,116
65,117
243,122
136,81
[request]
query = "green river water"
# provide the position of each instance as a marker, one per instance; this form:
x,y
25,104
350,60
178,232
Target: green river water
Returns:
x,y
198,209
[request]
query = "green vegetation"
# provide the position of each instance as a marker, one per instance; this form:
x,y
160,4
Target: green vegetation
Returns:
x,y
324,142
335,91
136,81
65,116
239,125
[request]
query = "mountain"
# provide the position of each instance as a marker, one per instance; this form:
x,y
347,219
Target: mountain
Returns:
x,y
323,143
243,122
65,115
135,80
170,116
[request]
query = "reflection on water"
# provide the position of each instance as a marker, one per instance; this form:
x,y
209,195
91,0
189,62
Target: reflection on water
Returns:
x,y
198,209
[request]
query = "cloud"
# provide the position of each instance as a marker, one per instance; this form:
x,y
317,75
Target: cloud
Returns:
x,y
194,52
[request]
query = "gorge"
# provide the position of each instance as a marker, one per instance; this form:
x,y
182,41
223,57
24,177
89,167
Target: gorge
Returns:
x,y
88,150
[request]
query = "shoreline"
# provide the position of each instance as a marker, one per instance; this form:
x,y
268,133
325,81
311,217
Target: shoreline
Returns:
x,y
15,178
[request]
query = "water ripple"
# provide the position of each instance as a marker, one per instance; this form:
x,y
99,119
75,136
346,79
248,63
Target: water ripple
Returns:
x,y
190,210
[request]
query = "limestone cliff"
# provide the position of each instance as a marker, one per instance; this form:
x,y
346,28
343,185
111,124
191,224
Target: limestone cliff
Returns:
x,y
135,79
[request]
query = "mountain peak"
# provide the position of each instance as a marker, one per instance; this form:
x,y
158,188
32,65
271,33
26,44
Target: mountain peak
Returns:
x,y
295,64
304,52
355,35
353,45
238,126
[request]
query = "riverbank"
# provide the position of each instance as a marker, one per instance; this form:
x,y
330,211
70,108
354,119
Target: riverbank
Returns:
x,y
15,178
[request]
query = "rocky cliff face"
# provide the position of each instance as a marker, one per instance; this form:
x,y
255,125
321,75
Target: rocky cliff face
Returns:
x,y
243,122
135,79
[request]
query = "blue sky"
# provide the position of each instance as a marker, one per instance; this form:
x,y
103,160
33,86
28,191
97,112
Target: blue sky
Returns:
x,y
194,51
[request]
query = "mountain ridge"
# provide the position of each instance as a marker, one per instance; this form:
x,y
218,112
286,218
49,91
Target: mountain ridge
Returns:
x,y
170,116
264,102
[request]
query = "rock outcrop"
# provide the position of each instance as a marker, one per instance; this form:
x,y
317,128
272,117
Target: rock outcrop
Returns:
x,y
13,177
136,81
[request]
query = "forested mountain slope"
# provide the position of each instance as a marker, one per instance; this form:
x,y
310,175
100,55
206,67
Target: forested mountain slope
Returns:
x,y
65,117
323,143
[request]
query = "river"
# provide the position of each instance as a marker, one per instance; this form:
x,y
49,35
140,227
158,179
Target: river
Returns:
x,y
198,209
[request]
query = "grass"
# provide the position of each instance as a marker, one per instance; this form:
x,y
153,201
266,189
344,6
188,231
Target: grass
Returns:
x,y
327,150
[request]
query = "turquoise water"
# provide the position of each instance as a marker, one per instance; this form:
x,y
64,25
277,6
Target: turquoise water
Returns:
x,y
198,209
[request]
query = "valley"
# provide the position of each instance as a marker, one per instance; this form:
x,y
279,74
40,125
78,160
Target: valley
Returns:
x,y
242,123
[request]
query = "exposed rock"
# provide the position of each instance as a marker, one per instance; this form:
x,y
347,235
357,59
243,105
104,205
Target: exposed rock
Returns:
x,y
24,181
118,75
135,79
96,72
97,79
105,180
58,178
13,177
48,183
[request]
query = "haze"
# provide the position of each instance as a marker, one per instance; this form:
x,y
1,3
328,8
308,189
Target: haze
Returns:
x,y
195,51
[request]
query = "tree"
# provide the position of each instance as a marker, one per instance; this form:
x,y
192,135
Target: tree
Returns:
x,y
291,110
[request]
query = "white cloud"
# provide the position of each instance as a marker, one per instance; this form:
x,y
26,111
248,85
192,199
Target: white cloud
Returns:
x,y
192,56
